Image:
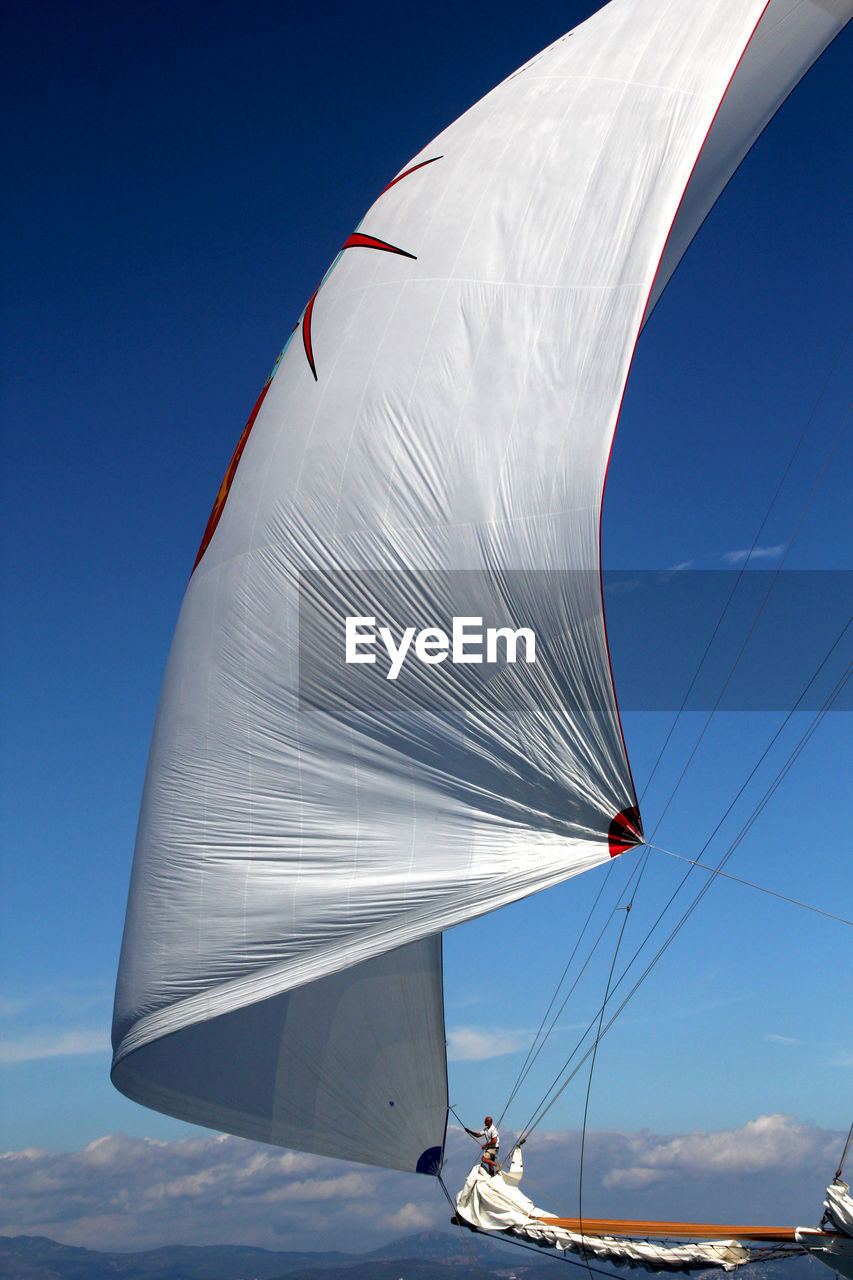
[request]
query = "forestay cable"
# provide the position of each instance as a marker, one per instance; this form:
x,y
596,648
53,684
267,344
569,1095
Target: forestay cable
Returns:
x,y
750,884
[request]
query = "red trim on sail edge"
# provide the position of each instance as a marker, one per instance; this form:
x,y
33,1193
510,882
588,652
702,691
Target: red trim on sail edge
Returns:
x,y
625,831
406,172
625,384
225,487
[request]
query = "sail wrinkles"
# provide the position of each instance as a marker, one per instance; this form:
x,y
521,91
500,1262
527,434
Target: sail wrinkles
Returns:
x,y
356,746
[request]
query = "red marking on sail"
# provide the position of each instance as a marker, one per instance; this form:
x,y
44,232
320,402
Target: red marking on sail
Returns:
x,y
406,172
626,830
306,332
358,240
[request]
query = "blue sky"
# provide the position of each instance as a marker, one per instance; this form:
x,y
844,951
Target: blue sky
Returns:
x,y
179,179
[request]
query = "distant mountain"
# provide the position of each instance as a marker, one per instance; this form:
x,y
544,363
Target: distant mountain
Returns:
x,y
438,1246
431,1255
37,1258
411,1269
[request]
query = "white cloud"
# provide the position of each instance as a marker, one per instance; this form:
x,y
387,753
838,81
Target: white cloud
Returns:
x,y
774,1039
124,1193
473,1044
128,1193
757,553
760,1146
348,1185
408,1219
52,1043
632,1178
67,1019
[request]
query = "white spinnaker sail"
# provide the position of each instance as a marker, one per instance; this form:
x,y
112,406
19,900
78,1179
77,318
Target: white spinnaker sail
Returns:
x,y
433,445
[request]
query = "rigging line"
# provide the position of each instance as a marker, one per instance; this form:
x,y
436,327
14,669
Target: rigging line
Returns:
x,y
628,891
568,996
589,1081
535,1118
450,1107
844,1153
458,1117
554,1257
754,623
745,564
803,740
806,737
688,912
826,657
761,758
522,1073
530,1061
531,1055
792,758
461,1224
714,871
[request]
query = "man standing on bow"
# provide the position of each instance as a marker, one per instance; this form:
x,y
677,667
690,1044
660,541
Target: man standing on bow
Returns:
x,y
491,1143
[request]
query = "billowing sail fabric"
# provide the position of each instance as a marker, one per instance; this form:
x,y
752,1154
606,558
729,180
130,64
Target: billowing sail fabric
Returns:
x,y
388,706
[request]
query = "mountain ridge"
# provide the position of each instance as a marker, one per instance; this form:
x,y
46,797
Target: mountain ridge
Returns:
x,y
427,1255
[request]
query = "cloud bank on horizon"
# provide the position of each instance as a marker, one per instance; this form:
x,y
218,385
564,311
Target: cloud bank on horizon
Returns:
x,y
120,1192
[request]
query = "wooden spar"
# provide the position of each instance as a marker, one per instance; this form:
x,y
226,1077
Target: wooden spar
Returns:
x,y
670,1230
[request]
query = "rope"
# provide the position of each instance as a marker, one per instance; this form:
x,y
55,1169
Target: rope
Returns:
x,y
526,1066
462,1228
838,1171
554,1257
591,1069
532,1060
694,864
750,884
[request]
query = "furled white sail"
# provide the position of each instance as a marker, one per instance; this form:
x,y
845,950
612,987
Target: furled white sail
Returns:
x,y
833,1244
496,1203
432,447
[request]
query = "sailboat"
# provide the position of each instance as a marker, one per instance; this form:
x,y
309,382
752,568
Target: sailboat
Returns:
x,y
388,707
